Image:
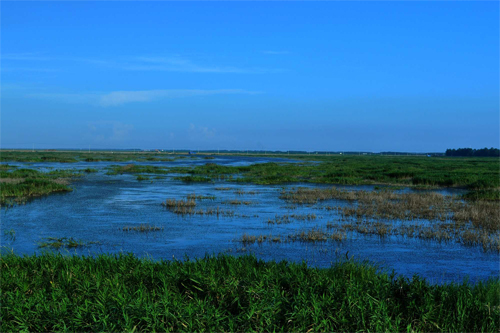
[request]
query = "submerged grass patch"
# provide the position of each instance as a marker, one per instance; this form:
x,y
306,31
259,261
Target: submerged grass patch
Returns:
x,y
142,228
64,242
52,292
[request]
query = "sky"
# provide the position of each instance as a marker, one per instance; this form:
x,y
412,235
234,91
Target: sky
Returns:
x,y
315,76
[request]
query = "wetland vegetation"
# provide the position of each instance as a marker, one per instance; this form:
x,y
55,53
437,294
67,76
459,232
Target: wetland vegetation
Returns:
x,y
408,204
51,292
448,217
17,185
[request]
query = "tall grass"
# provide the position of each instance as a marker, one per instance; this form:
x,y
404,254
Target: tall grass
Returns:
x,y
123,293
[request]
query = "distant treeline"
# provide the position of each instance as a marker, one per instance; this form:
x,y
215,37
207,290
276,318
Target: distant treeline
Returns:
x,y
485,152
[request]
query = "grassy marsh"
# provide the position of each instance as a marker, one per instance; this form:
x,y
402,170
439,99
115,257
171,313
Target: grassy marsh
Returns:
x,y
473,173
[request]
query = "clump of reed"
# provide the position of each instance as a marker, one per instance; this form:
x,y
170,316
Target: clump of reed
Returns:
x,y
173,203
194,196
312,236
187,207
377,228
251,239
143,228
242,192
223,189
237,202
304,217
287,218
283,219
214,211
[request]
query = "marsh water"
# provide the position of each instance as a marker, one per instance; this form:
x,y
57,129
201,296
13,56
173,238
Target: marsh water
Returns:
x,y
101,205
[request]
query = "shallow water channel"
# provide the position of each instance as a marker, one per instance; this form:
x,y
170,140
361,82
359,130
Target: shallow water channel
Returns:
x,y
101,205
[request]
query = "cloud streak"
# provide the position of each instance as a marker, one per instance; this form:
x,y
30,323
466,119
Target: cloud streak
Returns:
x,y
117,98
177,64
146,63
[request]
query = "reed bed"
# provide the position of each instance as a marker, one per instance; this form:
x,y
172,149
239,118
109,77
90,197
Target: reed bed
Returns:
x,y
142,228
114,293
468,222
440,233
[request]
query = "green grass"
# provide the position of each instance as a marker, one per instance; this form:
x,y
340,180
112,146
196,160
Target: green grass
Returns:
x,y
473,173
51,292
19,185
29,188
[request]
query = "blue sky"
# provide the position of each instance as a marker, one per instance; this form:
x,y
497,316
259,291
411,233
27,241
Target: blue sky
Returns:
x,y
338,76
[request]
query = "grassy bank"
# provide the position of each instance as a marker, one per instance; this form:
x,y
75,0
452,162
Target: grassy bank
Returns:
x,y
116,293
19,185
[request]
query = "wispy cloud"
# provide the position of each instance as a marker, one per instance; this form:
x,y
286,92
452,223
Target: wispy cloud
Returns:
x,y
116,98
144,63
178,64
